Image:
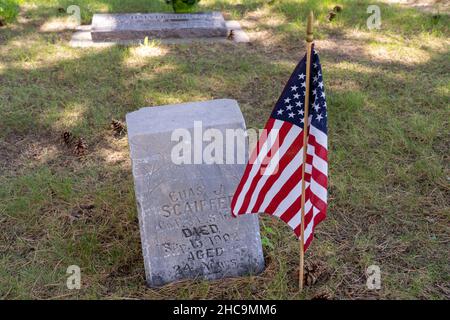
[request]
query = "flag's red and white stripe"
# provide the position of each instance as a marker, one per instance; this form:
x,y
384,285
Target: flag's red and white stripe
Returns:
x,y
272,179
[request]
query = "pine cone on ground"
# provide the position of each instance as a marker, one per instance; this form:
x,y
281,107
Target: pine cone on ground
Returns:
x,y
80,147
331,15
322,296
67,138
314,271
118,127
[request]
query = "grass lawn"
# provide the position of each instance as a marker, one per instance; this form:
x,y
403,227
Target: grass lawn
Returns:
x,y
388,97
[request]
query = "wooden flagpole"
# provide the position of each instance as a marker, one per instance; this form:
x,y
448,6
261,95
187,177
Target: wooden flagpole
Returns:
x,y
309,41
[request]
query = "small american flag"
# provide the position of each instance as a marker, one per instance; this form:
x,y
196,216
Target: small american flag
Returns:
x,y
272,178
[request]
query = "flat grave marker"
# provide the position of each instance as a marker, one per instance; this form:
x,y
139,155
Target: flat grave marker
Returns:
x,y
137,26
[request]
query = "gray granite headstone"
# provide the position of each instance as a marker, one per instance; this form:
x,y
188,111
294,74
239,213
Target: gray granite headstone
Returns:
x,y
187,230
137,26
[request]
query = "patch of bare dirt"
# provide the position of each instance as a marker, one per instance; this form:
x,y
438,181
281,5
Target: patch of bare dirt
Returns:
x,y
17,152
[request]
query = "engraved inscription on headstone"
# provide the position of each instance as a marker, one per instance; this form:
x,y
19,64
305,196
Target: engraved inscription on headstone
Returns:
x,y
137,26
187,230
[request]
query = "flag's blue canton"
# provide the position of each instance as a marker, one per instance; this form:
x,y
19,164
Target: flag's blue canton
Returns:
x,y
290,105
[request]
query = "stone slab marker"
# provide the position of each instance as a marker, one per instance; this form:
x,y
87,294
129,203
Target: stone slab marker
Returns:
x,y
187,230
137,26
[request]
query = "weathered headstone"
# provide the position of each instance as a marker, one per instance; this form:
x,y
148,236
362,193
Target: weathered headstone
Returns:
x,y
187,230
137,26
